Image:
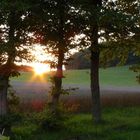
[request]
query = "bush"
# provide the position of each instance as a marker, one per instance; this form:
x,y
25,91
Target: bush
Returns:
x,y
52,121
13,101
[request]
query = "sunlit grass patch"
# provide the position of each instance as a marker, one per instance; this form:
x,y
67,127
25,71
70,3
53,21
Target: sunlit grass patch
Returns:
x,y
114,76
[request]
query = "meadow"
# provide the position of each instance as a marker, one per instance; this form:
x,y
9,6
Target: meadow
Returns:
x,y
113,76
118,88
121,119
118,124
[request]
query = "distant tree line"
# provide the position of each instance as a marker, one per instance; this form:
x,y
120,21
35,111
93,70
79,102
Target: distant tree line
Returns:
x,y
81,60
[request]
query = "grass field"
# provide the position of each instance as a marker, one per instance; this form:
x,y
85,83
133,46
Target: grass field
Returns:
x,y
116,76
119,124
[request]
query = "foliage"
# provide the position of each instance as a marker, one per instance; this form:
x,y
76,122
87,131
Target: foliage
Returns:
x,y
81,60
56,22
110,26
119,123
52,28
13,101
136,69
52,90
14,44
53,121
24,131
14,34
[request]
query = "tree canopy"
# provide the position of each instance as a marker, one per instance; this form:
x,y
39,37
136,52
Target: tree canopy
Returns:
x,y
109,29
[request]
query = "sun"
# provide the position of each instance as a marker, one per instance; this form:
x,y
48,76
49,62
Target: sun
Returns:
x,y
40,68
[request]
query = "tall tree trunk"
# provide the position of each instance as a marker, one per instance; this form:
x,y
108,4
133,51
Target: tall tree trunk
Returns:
x,y
58,82
61,45
94,76
95,89
5,73
3,95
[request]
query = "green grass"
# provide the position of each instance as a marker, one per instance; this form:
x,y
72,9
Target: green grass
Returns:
x,y
119,124
115,76
119,76
30,77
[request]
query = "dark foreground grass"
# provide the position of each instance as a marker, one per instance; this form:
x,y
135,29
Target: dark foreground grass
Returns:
x,y
119,124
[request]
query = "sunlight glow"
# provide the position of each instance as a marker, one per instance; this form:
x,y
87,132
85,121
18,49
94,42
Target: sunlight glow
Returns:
x,y
39,53
40,68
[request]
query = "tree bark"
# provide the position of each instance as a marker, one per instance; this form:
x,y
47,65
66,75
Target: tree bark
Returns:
x,y
58,82
5,73
95,89
61,45
94,75
3,95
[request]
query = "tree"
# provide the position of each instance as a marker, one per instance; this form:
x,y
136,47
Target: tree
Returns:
x,y
81,60
55,27
13,38
128,41
110,26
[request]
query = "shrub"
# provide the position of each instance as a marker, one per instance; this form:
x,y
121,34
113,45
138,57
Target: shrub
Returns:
x,y
13,101
52,121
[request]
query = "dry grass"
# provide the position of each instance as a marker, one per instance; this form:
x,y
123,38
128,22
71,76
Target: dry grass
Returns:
x,y
83,103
